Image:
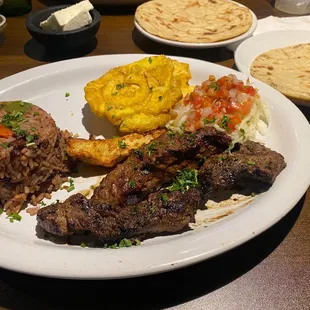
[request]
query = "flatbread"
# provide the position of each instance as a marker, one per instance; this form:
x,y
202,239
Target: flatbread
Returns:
x,y
285,69
194,21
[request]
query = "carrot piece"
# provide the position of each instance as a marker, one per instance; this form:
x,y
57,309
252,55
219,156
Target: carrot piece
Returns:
x,y
5,132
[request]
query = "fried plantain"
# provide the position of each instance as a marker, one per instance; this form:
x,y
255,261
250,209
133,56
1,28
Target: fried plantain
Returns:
x,y
108,152
138,97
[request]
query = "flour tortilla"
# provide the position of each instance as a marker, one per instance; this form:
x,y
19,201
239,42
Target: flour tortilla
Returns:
x,y
285,69
194,21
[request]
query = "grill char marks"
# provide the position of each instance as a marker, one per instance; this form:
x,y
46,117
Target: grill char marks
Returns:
x,y
155,164
160,211
252,161
112,223
62,219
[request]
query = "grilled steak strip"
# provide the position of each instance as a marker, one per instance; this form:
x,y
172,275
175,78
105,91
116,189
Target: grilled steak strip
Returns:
x,y
155,164
251,161
62,219
162,212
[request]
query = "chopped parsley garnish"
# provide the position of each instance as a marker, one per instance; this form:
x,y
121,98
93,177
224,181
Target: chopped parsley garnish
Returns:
x,y
215,86
132,184
109,107
184,180
71,186
114,94
253,194
150,89
222,158
207,121
5,145
1,211
151,148
122,144
183,126
14,217
33,129
20,132
115,137
171,134
42,203
67,95
251,163
150,60
13,120
164,197
83,245
124,243
242,131
31,138
202,160
120,86
113,116
160,98
225,121
35,113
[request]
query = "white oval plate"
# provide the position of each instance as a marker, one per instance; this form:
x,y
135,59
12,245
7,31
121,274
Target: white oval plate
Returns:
x,y
249,49
201,45
46,86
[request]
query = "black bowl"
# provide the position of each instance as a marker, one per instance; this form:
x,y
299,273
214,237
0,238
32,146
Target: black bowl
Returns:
x,y
61,41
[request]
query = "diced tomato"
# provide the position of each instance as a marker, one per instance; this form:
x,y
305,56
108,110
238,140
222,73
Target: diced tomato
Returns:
x,y
243,108
250,90
197,124
187,99
234,121
5,132
196,99
198,114
222,97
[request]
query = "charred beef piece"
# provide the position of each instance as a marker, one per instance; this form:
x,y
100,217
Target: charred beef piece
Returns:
x,y
162,212
155,164
71,216
250,160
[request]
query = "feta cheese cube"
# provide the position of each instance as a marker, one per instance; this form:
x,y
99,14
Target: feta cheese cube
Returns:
x,y
70,18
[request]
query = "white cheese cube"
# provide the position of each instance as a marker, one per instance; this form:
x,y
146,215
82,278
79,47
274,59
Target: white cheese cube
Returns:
x,y
70,18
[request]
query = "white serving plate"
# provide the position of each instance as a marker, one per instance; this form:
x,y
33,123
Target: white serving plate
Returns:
x,y
248,50
46,86
227,43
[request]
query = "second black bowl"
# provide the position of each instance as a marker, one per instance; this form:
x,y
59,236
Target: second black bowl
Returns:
x,y
61,41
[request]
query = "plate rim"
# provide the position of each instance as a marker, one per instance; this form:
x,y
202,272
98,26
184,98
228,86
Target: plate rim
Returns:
x,y
236,39
25,76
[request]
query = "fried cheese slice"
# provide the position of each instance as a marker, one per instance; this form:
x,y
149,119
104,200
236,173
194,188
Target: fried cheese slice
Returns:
x,y
108,152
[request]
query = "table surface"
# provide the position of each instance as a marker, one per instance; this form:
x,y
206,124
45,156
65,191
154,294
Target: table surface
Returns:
x,y
272,271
